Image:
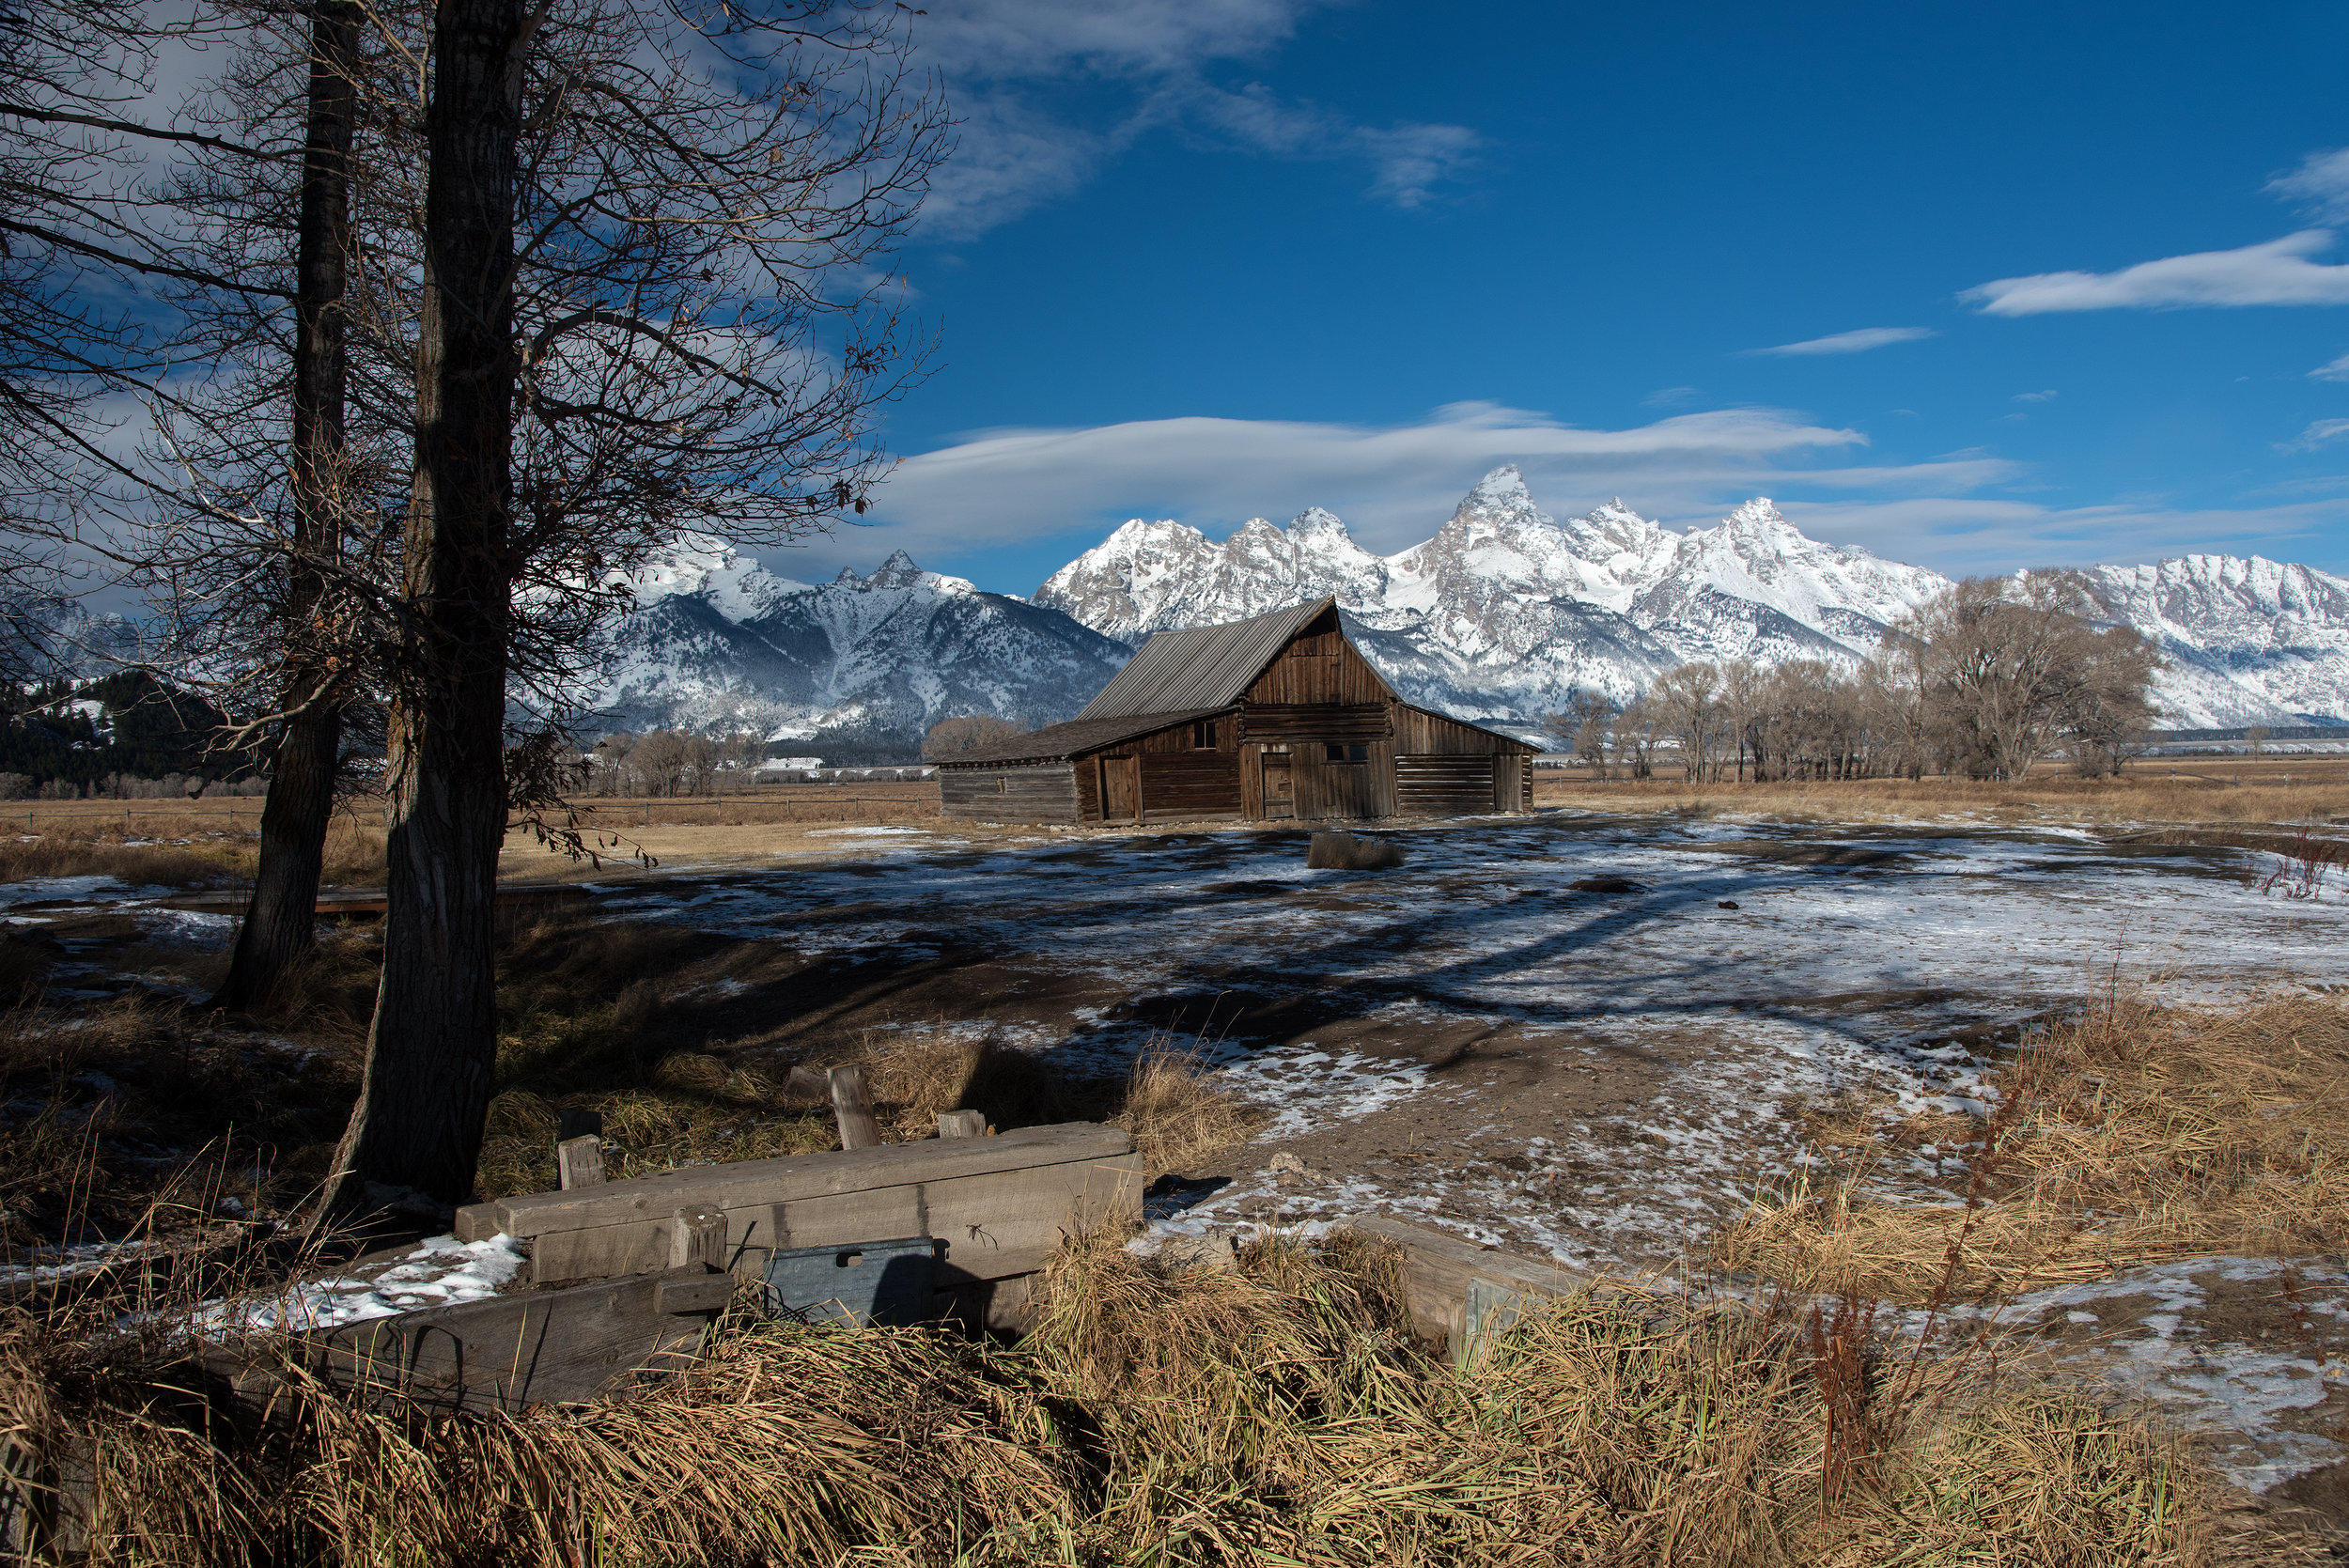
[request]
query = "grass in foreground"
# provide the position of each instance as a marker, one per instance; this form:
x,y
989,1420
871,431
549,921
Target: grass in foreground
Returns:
x,y
1275,1413
2128,1133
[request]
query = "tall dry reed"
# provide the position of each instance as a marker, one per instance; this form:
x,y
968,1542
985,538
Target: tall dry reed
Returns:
x,y
1278,1412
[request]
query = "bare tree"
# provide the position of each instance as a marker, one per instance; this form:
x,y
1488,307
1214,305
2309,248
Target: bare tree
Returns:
x,y
313,687
2110,708
1686,701
680,243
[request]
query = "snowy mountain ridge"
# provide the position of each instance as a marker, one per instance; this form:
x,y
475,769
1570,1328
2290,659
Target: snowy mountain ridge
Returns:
x,y
1506,611
858,665
1497,617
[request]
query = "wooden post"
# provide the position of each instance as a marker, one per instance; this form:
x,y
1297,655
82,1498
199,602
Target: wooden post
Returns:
x,y
698,1235
962,1124
852,1108
579,1161
808,1083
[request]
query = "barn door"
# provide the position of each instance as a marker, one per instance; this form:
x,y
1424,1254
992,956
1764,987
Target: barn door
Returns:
x,y
1121,789
1279,783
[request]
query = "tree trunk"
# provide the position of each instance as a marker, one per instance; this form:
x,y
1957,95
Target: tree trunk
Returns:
x,y
281,919
432,1049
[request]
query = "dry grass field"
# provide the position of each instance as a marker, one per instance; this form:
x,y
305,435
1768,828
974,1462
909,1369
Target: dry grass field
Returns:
x,y
1566,1004
2229,791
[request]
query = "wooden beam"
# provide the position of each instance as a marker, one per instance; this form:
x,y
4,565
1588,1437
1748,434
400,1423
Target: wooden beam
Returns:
x,y
1441,1272
852,1108
579,1162
697,1238
506,1352
962,1124
748,1182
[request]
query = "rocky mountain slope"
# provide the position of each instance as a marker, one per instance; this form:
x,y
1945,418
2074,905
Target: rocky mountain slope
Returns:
x,y
1497,617
856,668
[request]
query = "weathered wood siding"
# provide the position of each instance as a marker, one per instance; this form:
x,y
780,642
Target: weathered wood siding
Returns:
x,y
1304,721
1418,734
1038,792
1343,791
1318,669
1512,786
1178,787
1439,785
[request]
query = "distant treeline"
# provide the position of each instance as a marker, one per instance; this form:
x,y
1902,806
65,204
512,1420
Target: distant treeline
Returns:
x,y
66,739
1985,681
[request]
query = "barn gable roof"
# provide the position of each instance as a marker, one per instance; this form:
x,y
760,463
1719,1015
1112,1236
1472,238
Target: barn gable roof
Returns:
x,y
1202,668
1059,742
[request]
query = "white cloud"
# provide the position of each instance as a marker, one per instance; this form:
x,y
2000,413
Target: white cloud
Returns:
x,y
2333,370
1040,496
2324,432
1048,90
1857,342
2320,184
2276,274
2035,396
1967,535
1393,484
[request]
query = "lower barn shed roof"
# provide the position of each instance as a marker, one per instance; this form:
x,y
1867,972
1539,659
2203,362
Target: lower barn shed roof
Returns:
x,y
1059,742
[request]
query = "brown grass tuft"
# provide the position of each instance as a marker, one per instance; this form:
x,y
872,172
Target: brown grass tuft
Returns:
x,y
2138,1132
1177,1111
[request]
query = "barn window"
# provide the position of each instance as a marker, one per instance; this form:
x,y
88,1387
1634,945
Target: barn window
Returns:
x,y
1347,754
1203,736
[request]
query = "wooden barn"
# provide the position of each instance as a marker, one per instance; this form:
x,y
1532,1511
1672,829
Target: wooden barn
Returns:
x,y
1273,718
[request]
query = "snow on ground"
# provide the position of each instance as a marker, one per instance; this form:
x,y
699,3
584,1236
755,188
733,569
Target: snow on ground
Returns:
x,y
73,889
2243,1352
440,1273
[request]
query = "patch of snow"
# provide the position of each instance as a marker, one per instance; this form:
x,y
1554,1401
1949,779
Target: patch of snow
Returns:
x,y
441,1273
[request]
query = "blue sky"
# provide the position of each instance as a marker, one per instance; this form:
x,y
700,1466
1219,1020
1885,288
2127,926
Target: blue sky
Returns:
x,y
2060,282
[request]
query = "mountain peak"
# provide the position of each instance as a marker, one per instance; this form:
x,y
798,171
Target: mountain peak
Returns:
x,y
898,571
1757,514
1504,488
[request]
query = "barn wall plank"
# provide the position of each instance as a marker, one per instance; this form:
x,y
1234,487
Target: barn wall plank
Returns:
x,y
1038,792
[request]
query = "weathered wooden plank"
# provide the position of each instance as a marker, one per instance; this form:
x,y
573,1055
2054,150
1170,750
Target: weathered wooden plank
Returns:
x,y
579,1162
697,1238
1439,1268
962,1124
1309,722
995,1224
790,1176
475,1222
506,1352
852,1108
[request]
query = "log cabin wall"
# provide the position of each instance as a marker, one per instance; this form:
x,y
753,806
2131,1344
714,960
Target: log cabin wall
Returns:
x,y
1035,792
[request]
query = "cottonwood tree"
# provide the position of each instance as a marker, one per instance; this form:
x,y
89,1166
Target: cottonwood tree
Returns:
x,y
1687,702
951,737
683,240
682,236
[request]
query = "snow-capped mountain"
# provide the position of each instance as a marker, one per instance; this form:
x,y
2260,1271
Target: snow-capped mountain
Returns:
x,y
1499,616
2248,641
1506,611
859,664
